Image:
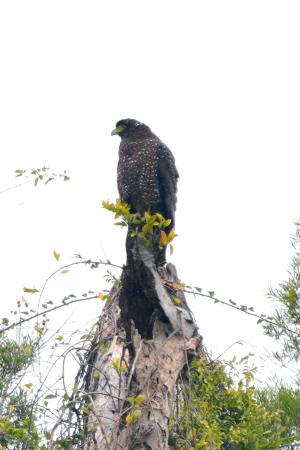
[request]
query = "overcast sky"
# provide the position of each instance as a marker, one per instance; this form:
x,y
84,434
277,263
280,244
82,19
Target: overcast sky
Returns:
x,y
217,81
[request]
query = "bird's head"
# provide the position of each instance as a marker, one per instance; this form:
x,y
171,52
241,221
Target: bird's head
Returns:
x,y
128,127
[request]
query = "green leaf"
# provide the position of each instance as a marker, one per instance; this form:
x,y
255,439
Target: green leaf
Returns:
x,y
96,374
167,223
176,300
121,224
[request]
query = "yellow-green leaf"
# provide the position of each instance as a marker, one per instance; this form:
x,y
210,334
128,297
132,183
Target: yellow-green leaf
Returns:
x,y
129,419
163,238
118,366
96,373
176,300
167,223
39,329
56,255
30,290
192,433
27,350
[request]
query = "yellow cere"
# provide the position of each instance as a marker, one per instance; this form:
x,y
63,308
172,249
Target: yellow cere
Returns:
x,y
120,128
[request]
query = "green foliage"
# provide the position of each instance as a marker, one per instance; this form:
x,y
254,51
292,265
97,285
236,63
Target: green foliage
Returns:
x,y
286,326
133,416
287,401
14,357
119,365
17,421
212,412
121,210
145,226
68,443
42,174
17,424
134,412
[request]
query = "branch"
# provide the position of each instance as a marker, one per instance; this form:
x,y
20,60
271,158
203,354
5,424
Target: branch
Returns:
x,y
93,264
15,186
242,308
20,322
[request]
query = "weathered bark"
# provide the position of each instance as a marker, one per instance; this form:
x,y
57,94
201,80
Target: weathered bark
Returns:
x,y
148,340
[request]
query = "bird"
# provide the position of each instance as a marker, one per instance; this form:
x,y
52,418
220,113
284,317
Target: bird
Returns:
x,y
146,175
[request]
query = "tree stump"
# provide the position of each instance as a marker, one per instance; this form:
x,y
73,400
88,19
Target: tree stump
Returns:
x,y
146,335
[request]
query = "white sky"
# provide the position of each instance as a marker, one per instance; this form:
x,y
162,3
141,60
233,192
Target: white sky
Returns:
x,y
218,81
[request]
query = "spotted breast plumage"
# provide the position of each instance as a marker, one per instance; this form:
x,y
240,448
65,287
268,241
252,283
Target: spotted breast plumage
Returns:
x,y
147,175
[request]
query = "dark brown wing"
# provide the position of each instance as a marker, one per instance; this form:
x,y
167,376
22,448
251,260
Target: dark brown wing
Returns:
x,y
167,176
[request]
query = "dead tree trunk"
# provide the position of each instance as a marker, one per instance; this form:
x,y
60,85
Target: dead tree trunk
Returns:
x,y
146,334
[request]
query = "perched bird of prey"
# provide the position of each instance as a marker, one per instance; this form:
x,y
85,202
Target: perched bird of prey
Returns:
x,y
147,175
